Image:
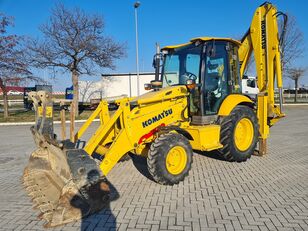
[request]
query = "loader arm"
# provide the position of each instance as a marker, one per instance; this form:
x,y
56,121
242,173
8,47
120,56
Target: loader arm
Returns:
x,y
263,40
133,124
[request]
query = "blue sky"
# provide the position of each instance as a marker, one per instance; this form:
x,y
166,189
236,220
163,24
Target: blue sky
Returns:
x,y
164,21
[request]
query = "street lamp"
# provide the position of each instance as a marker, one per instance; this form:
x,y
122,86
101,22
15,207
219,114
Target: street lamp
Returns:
x,y
136,5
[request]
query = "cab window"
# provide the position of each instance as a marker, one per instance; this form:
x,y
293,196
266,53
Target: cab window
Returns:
x,y
215,77
182,64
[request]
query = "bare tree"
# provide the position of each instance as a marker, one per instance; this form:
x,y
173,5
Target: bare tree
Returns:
x,y
293,45
74,41
295,74
291,48
90,89
12,63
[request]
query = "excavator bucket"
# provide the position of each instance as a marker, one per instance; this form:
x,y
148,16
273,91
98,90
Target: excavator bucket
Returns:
x,y
64,183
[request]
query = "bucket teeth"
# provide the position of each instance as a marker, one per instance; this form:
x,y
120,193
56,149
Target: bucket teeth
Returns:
x,y
32,188
28,182
45,207
35,194
37,203
39,200
48,225
58,190
40,216
47,216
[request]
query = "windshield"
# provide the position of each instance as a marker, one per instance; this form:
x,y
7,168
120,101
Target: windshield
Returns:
x,y
182,64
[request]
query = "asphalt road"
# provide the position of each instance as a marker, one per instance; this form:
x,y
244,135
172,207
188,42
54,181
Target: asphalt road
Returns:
x,y
264,193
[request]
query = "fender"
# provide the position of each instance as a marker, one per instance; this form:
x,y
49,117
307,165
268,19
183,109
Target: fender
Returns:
x,y
231,101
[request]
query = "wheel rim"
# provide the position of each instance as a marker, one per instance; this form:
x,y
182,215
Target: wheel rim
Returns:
x,y
176,160
243,134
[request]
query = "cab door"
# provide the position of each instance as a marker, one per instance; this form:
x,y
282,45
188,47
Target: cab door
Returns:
x,y
220,76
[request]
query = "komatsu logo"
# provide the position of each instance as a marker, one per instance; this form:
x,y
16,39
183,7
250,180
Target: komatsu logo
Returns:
x,y
156,118
263,34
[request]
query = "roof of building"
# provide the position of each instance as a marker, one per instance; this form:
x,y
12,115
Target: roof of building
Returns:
x,y
127,74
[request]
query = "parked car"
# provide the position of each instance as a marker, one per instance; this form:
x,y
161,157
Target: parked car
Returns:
x,y
250,86
14,92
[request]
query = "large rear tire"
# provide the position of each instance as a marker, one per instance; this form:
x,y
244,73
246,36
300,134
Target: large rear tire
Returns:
x,y
169,158
239,134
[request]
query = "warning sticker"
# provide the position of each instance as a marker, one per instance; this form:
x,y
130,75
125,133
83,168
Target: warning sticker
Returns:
x,y
48,112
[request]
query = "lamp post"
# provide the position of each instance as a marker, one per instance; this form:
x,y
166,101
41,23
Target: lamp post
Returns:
x,y
136,5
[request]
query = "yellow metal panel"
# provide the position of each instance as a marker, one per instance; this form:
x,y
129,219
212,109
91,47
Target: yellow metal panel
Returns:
x,y
101,133
167,93
262,116
231,102
244,54
175,46
202,39
263,40
205,138
104,114
40,111
148,117
119,148
101,150
85,126
156,108
216,39
48,111
278,115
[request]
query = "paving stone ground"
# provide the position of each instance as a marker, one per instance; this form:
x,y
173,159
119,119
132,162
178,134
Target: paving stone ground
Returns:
x,y
264,193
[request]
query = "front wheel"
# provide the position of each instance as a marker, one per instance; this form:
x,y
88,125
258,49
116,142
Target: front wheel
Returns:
x,y
170,158
239,134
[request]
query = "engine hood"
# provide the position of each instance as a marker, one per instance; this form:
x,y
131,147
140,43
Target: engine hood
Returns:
x,y
166,93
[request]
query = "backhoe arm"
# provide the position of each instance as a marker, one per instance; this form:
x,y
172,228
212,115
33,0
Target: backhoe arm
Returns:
x,y
263,40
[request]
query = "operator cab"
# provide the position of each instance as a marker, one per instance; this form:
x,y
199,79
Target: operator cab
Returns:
x,y
210,69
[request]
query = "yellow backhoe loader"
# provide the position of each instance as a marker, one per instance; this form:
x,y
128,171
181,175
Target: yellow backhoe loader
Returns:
x,y
194,103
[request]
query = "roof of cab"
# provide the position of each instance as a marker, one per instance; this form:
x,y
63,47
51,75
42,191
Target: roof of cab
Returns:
x,y
202,39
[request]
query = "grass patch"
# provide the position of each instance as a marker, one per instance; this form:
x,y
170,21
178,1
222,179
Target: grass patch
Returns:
x,y
13,97
29,116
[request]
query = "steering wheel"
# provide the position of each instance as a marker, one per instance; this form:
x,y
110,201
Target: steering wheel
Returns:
x,y
190,75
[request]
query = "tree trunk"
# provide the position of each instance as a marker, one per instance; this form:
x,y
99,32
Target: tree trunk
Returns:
x,y
75,77
5,99
296,85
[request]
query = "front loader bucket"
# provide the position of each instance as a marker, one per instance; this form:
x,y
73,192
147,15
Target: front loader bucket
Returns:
x,y
64,183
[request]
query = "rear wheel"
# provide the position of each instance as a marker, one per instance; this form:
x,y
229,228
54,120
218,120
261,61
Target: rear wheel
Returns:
x,y
169,158
239,134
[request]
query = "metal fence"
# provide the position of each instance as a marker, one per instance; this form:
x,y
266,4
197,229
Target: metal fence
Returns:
x,y
13,102
288,97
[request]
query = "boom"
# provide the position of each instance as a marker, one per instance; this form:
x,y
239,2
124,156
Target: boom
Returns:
x,y
263,40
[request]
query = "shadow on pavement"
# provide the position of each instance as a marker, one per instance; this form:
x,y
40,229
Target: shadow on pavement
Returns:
x,y
140,164
103,219
212,154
